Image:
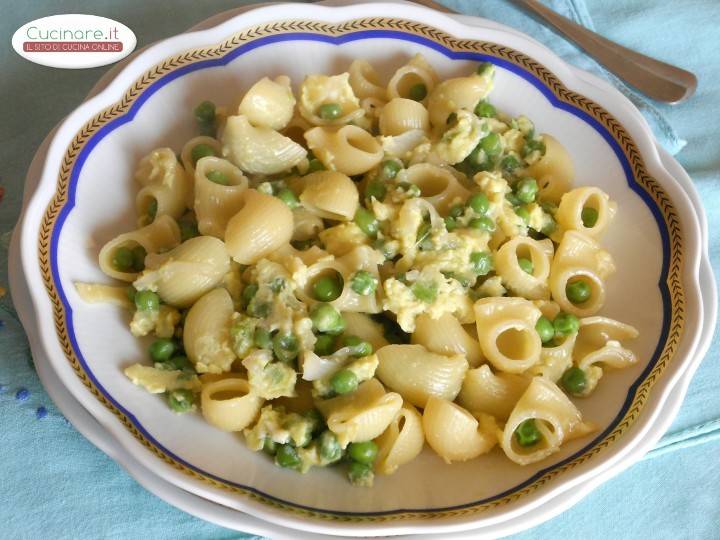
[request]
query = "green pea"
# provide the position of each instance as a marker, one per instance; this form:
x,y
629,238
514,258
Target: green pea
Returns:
x,y
545,329
315,165
390,168
147,301
359,347
417,92
325,345
259,309
509,163
574,381
578,291
412,190
457,211
330,111
288,197
481,262
360,474
277,284
477,157
287,457
162,349
329,447
549,226
425,292
327,319
181,401
367,222
566,324
479,203
138,255
122,259
450,223
491,144
527,433
363,452
531,145
526,265
484,110
285,347
262,338
218,177
131,292
249,293
328,288
482,223
181,363
200,151
188,229
523,213
589,217
512,199
205,113
376,189
344,382
485,68
526,190
269,446
364,283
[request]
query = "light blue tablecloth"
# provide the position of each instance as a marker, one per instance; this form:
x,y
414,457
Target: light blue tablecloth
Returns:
x,y
57,485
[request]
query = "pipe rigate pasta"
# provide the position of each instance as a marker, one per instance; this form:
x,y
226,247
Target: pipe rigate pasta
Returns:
x,y
407,235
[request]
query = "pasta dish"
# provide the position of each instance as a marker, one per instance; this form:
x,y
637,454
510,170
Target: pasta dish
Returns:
x,y
345,272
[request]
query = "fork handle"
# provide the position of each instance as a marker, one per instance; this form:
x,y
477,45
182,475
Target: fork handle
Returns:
x,y
656,79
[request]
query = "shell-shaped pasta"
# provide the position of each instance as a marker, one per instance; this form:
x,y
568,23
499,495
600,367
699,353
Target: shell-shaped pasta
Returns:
x,y
306,224
343,238
401,442
216,203
492,393
185,273
330,195
164,181
206,335
161,234
456,94
446,336
186,153
97,293
360,258
365,81
417,71
555,417
531,286
417,373
554,171
600,345
229,405
318,90
454,433
580,257
362,415
572,203
269,103
263,225
506,332
437,185
295,131
350,150
362,326
401,115
554,361
259,150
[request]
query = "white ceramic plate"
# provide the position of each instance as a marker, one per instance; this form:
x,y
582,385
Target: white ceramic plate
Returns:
x,y
240,521
219,458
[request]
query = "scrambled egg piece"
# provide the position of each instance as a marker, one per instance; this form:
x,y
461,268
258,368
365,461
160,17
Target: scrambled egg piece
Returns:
x,y
450,297
453,255
162,321
157,381
268,379
458,141
492,287
280,427
363,368
343,238
275,301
